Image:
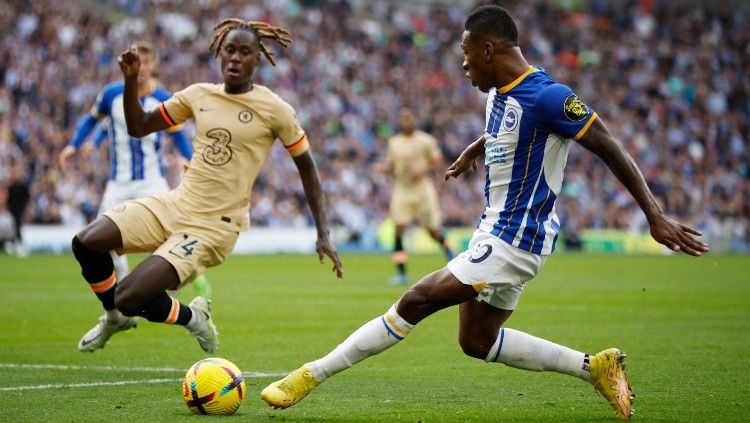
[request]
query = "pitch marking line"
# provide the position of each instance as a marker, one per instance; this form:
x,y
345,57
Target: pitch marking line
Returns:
x,y
84,385
76,367
106,368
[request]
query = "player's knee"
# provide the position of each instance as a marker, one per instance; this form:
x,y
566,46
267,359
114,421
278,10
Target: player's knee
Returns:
x,y
415,297
77,246
126,302
81,250
473,347
84,236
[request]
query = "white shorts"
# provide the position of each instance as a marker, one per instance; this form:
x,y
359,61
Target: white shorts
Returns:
x,y
118,192
496,269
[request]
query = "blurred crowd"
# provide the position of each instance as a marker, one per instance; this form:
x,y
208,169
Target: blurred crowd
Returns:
x,y
671,80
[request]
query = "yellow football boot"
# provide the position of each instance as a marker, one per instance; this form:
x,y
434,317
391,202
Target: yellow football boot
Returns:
x,y
290,390
608,377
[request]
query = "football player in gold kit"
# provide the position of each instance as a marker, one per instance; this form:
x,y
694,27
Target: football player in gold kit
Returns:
x,y
412,153
197,224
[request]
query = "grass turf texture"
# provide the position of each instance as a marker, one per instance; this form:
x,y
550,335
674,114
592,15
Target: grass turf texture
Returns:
x,y
683,321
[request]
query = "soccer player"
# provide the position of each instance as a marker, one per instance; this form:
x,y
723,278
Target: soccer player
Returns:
x,y
197,224
530,120
135,163
411,155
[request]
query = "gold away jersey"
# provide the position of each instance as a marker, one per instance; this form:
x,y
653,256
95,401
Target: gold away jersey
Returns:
x,y
412,153
234,133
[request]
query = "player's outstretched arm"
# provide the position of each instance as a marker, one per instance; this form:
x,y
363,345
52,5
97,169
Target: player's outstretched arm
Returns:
x,y
467,159
84,128
674,235
140,123
308,172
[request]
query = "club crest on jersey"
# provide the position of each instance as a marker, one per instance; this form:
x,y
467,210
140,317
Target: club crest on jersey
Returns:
x,y
245,116
510,120
574,108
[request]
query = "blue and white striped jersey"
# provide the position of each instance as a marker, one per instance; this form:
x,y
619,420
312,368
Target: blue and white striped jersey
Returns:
x,y
134,158
529,125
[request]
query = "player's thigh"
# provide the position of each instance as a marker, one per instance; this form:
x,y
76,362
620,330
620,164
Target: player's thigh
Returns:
x,y
191,250
479,324
434,292
101,235
496,269
145,224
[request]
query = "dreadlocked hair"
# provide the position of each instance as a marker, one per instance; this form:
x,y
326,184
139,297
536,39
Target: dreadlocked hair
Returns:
x,y
260,29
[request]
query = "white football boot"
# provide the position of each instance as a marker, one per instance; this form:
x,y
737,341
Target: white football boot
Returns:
x,y
95,338
202,327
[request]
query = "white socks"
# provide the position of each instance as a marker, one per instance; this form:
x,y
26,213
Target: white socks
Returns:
x,y
372,338
512,348
523,351
121,265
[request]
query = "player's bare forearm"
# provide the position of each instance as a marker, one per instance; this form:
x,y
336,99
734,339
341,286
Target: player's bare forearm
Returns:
x,y
467,159
664,230
310,177
308,172
139,123
599,141
475,149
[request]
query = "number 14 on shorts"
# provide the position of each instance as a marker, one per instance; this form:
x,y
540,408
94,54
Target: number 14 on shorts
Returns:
x,y
184,248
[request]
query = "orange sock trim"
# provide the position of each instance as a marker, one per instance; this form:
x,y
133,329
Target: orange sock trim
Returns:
x,y
174,312
400,257
104,285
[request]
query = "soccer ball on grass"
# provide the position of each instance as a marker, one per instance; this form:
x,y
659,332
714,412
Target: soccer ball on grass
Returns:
x,y
213,386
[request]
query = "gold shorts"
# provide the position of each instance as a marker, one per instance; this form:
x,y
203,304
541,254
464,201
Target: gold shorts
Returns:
x,y
189,242
420,205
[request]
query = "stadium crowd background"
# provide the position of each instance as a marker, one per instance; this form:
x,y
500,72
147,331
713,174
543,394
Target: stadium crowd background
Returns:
x,y
671,79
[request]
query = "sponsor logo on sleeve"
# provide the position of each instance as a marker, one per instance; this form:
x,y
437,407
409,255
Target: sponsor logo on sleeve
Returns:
x,y
574,108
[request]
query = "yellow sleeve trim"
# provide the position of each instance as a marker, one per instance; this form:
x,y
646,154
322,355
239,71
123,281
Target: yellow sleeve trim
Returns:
x,y
96,114
299,147
586,127
518,80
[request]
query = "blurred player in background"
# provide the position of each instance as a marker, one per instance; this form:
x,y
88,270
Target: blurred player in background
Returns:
x,y
136,168
412,153
530,120
19,195
197,224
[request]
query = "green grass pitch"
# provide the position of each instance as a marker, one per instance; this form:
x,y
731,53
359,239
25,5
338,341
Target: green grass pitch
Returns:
x,y
683,321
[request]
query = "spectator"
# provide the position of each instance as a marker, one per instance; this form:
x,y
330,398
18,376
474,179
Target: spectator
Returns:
x,y
677,74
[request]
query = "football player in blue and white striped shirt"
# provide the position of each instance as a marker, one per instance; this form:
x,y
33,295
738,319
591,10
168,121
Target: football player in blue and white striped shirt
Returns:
x,y
530,122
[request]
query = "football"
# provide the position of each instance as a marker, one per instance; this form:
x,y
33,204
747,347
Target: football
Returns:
x,y
213,386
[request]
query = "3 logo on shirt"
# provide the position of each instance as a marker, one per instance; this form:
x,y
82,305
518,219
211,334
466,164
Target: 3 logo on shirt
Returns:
x,y
219,152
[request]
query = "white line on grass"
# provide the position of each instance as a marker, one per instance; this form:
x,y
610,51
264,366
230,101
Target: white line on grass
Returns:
x,y
76,367
106,368
84,385
122,369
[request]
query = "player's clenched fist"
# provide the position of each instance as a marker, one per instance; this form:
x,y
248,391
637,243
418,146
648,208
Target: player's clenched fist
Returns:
x,y
129,63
